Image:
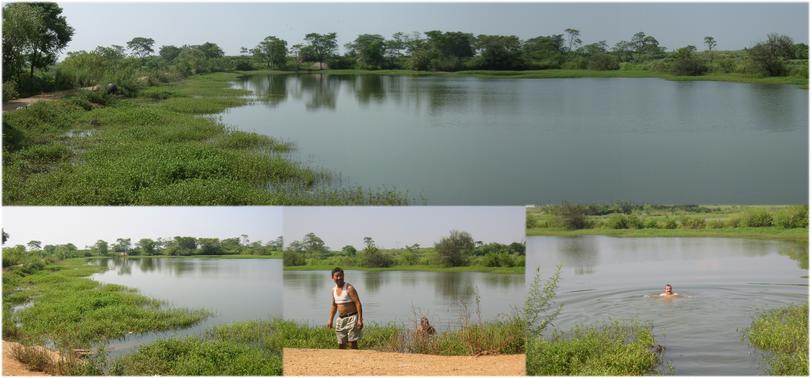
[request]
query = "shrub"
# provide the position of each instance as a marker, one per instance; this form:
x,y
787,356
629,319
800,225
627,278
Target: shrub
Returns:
x,y
293,258
670,223
757,218
784,333
603,62
694,223
792,217
634,221
10,90
617,221
571,217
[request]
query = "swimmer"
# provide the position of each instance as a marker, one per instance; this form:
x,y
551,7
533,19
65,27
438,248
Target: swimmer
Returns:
x,y
668,291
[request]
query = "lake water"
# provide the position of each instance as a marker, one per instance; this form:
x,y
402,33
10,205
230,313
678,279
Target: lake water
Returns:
x,y
231,289
400,296
726,282
471,141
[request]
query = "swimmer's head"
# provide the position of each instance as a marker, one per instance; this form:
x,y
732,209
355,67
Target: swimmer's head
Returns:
x,y
668,289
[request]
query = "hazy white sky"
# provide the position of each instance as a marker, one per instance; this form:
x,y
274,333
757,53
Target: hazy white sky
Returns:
x,y
85,225
734,25
395,227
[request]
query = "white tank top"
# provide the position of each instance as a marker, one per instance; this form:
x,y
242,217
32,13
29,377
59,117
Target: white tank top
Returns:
x,y
344,297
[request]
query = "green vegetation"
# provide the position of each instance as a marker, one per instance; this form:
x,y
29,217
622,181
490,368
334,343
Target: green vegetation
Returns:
x,y
51,302
632,220
613,348
609,349
36,255
457,252
783,332
157,152
246,348
498,337
62,305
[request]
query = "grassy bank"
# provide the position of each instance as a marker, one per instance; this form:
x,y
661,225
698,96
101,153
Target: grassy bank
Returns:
x,y
60,304
629,220
566,74
156,149
783,334
218,257
246,348
421,268
609,349
498,337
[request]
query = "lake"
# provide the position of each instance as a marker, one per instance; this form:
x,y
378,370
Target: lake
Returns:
x,y
472,141
726,282
400,297
231,289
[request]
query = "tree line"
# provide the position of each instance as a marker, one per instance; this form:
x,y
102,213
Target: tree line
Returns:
x,y
35,251
457,249
34,34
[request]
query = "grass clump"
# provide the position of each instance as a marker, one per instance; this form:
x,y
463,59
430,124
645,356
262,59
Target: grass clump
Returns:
x,y
783,332
609,349
245,348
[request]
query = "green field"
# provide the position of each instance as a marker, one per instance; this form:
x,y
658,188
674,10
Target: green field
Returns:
x,y
631,220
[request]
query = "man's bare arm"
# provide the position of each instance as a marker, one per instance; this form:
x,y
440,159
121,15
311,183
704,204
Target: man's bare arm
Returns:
x,y
332,310
353,295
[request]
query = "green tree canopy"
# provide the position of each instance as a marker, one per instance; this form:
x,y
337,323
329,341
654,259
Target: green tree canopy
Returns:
x,y
141,46
33,35
454,249
321,46
272,52
369,50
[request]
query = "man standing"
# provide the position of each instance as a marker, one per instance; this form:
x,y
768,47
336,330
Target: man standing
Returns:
x,y
346,303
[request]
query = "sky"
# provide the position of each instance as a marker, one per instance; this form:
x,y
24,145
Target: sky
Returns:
x,y
396,227
231,26
83,226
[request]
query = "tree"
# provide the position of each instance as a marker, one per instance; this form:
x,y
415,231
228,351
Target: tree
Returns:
x,y
321,46
573,39
272,52
101,248
645,47
545,51
709,42
35,245
312,243
769,57
448,50
141,46
148,247
349,250
209,246
685,62
122,245
5,236
36,34
169,52
499,52
454,249
370,51
211,50
372,257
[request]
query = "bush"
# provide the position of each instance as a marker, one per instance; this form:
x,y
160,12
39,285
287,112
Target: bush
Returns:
x,y
694,223
603,62
454,249
757,218
784,333
10,91
635,222
571,217
617,221
293,258
670,224
792,217
686,63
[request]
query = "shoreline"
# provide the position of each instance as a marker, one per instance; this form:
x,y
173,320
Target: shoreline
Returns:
x,y
413,268
757,233
555,74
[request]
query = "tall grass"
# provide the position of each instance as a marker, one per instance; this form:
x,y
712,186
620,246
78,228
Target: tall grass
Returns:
x,y
783,333
245,348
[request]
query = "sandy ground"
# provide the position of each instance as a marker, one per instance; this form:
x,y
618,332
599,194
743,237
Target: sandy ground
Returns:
x,y
23,102
12,367
368,362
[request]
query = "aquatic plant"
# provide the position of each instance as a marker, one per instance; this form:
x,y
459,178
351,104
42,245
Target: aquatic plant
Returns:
x,y
783,333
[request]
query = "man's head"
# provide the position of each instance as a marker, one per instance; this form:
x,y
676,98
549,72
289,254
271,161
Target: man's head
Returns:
x,y
338,276
668,289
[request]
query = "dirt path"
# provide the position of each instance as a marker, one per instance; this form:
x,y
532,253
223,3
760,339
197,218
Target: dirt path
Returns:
x,y
368,362
14,104
12,367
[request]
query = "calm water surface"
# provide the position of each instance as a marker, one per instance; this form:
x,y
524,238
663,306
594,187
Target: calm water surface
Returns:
x,y
395,297
726,282
511,142
232,289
